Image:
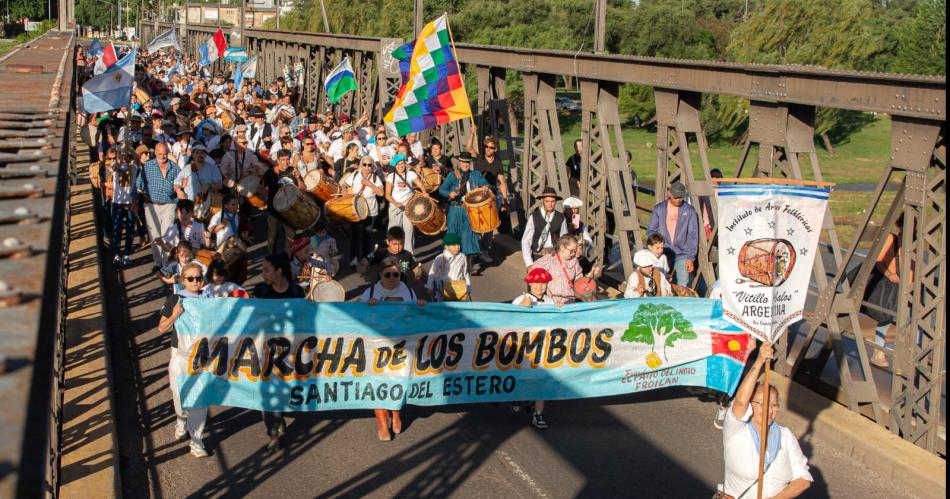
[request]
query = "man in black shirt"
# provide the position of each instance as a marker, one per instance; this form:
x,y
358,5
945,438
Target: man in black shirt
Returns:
x,y
574,167
278,230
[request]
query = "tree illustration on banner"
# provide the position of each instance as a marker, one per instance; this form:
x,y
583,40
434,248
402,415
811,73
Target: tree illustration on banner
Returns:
x,y
655,324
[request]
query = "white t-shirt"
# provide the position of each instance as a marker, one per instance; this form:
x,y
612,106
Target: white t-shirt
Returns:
x,y
402,191
545,300
399,293
230,223
219,291
742,459
194,234
356,185
337,148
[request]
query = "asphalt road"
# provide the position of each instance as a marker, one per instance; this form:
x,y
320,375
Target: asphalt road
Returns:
x,y
655,444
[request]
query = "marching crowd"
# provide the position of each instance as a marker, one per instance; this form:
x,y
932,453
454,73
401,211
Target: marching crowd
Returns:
x,y
196,163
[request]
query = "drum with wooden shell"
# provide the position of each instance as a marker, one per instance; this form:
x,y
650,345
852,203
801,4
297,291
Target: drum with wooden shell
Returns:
x,y
251,189
299,210
348,208
425,214
322,187
482,211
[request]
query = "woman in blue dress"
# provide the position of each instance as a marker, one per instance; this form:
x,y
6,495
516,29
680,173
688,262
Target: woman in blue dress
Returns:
x,y
462,180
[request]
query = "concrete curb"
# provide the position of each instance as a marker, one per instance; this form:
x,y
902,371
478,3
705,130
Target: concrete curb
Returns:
x,y
814,417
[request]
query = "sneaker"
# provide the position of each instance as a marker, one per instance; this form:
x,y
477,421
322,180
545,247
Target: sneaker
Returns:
x,y
515,407
281,428
126,260
538,421
485,257
181,431
274,444
198,449
353,263
117,260
720,417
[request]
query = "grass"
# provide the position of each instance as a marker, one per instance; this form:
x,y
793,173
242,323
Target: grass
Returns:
x,y
7,46
860,159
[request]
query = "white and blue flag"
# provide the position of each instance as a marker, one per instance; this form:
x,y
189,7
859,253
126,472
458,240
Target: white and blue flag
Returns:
x,y
112,89
248,70
166,39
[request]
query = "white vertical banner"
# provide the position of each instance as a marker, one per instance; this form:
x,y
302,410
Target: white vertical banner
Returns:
x,y
768,239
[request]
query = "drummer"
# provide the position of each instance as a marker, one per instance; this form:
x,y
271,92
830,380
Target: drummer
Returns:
x,y
278,230
456,185
302,260
366,183
399,189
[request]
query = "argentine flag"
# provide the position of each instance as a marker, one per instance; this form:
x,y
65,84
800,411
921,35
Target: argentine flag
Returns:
x,y
112,89
340,81
248,70
166,39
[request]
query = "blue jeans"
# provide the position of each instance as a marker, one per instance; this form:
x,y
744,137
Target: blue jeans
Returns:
x,y
122,224
680,275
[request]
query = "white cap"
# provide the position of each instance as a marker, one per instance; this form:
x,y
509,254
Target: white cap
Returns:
x,y
644,258
573,202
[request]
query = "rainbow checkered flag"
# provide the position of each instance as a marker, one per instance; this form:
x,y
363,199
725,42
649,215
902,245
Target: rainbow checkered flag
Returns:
x,y
432,91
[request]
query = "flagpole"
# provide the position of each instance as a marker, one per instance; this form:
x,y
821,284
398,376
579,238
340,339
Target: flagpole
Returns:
x,y
471,117
763,432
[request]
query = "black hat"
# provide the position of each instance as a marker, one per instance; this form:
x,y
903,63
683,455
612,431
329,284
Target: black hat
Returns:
x,y
549,192
257,113
678,190
465,157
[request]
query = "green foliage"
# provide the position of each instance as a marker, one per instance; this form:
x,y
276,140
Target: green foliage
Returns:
x,y
654,324
94,13
922,45
38,32
30,9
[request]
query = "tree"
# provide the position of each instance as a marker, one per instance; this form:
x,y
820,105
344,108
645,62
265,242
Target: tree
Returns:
x,y
94,13
30,9
836,34
654,324
922,43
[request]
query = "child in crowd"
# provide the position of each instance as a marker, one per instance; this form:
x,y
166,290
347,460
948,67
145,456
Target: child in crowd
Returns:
x,y
218,284
185,229
656,244
120,184
395,247
537,281
171,273
322,243
448,277
227,222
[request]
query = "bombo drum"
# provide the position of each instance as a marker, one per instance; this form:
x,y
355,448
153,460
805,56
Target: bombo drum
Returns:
x,y
300,211
482,211
431,179
349,208
768,262
232,250
251,189
425,215
205,256
209,205
322,187
327,292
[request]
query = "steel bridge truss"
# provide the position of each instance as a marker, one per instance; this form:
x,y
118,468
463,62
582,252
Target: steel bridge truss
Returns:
x,y
783,102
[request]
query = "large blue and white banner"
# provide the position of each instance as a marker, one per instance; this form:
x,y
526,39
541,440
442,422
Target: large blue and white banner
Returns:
x,y
293,355
768,239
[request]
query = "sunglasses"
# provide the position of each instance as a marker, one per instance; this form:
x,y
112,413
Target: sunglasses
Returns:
x,y
193,278
308,144
392,275
366,164
491,147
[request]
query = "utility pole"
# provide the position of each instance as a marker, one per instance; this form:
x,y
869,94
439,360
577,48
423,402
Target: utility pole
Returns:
x,y
323,12
600,28
418,12
243,22
278,14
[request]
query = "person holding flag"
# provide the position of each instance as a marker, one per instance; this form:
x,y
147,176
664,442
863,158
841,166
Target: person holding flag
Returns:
x,y
786,467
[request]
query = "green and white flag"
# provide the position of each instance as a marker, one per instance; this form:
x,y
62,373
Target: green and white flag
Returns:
x,y
340,81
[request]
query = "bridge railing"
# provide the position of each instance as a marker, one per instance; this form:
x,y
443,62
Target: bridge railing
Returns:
x,y
783,101
36,160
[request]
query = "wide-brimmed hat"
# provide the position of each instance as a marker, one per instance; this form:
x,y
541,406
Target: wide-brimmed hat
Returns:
x,y
549,192
465,157
644,258
573,202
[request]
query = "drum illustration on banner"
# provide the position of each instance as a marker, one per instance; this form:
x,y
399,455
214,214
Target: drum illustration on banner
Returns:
x,y
768,262
768,239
